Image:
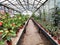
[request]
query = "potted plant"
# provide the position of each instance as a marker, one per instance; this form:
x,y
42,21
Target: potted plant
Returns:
x,y
48,27
59,40
55,35
58,34
21,26
53,31
2,42
7,34
9,26
1,31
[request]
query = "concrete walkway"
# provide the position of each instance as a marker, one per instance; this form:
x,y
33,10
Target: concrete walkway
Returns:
x,y
32,37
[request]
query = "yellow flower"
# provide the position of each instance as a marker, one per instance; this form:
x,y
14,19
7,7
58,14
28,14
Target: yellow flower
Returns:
x,y
6,31
19,17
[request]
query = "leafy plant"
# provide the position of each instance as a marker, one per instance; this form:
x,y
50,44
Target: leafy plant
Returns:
x,y
10,25
2,42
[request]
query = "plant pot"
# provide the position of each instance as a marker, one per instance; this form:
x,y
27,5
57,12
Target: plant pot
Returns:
x,y
55,38
44,20
9,28
23,23
21,27
9,42
59,41
17,32
51,33
0,32
47,31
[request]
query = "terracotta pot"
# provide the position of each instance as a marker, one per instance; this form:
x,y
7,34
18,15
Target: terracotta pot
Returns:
x,y
49,33
0,32
46,30
55,38
17,32
59,41
21,27
9,42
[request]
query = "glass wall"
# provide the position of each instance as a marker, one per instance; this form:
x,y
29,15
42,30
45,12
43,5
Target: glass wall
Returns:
x,y
50,14
2,11
58,12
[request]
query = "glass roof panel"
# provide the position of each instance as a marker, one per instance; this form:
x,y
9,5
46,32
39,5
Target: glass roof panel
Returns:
x,y
2,0
23,4
31,2
6,3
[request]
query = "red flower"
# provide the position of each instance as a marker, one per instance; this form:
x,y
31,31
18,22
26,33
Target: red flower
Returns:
x,y
1,23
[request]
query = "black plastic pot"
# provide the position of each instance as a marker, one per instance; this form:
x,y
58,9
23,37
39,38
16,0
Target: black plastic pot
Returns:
x,y
9,42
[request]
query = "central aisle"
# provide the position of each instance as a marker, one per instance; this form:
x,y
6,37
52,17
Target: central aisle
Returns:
x,y
32,37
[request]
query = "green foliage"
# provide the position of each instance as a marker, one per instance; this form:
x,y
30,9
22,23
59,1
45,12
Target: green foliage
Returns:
x,y
1,42
9,25
47,25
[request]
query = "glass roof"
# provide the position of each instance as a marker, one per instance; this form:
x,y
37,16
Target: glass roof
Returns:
x,y
23,5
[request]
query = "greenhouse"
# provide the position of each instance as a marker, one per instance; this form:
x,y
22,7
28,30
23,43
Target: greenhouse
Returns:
x,y
29,22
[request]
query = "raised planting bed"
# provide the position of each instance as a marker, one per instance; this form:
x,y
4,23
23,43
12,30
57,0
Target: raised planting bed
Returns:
x,y
21,31
47,35
15,40
10,27
20,34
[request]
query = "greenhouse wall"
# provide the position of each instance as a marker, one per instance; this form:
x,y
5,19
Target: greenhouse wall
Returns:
x,y
2,11
48,10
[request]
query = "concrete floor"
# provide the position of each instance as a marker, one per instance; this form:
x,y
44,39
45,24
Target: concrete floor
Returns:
x,y
32,37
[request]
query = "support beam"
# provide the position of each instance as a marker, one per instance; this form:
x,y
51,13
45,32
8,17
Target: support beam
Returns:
x,y
40,6
33,4
38,3
28,4
21,4
10,8
14,5
24,2
3,1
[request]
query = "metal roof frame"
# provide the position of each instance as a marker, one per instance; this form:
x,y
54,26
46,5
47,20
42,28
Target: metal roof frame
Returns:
x,y
10,8
40,6
27,4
